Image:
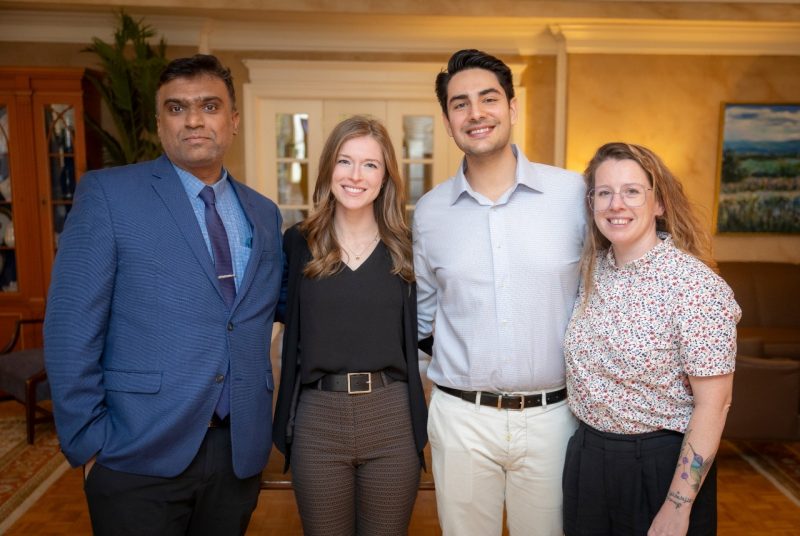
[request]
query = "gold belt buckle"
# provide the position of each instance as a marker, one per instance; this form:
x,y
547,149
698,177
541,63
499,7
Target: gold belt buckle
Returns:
x,y
351,391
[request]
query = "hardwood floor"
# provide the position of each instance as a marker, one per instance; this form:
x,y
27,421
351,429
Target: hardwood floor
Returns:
x,y
748,505
62,511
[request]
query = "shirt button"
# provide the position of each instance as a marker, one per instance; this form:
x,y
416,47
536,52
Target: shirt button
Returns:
x,y
219,378
230,326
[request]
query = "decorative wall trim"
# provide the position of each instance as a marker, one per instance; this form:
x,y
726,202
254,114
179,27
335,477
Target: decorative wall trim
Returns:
x,y
389,34
687,37
332,79
80,27
408,34
560,130
347,79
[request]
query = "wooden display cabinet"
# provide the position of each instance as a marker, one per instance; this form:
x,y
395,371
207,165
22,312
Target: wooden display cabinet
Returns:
x,y
44,149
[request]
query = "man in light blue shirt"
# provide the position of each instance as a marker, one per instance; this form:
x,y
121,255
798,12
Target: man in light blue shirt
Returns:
x,y
496,252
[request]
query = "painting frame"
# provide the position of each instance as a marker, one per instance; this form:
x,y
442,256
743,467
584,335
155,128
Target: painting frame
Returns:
x,y
758,169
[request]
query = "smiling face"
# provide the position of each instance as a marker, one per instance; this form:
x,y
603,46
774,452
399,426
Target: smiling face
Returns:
x,y
358,174
631,230
196,124
479,116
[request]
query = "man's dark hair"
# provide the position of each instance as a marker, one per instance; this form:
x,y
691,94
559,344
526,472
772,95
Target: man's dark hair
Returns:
x,y
198,65
473,59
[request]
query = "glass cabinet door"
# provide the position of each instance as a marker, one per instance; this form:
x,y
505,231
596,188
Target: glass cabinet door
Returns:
x,y
59,120
8,256
62,159
43,151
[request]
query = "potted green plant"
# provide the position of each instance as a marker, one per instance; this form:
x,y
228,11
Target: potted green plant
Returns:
x,y
127,86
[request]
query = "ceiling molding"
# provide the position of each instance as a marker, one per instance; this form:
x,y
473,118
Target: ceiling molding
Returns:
x,y
369,33
523,36
332,79
391,34
681,38
81,27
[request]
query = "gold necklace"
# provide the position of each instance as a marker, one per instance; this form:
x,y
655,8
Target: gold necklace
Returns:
x,y
358,255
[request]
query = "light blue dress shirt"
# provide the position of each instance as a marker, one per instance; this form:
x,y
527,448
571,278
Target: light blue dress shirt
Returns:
x,y
499,279
237,226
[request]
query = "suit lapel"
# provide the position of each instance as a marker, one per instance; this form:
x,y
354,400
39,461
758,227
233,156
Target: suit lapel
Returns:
x,y
169,188
258,241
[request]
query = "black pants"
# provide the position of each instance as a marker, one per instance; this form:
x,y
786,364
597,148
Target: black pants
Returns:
x,y
615,484
206,499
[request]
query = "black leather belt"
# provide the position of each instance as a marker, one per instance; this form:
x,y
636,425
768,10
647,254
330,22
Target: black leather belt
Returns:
x,y
216,422
500,401
354,383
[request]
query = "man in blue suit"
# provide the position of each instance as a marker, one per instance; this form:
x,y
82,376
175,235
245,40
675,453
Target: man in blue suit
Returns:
x,y
158,324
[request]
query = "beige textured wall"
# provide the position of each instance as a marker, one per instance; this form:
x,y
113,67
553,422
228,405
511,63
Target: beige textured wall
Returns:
x,y
672,105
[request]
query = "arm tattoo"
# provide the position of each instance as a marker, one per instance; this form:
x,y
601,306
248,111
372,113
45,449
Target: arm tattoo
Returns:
x,y
694,467
677,499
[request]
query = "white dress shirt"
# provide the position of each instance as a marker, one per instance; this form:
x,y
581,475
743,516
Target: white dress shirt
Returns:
x,y
499,279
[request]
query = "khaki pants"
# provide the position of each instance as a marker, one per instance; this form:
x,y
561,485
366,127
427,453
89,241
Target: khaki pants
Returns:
x,y
484,458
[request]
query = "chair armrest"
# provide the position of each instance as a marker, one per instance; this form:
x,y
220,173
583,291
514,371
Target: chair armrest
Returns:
x,y
17,331
766,398
750,346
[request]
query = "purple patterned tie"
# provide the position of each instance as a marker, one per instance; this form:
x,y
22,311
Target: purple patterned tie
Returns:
x,y
224,268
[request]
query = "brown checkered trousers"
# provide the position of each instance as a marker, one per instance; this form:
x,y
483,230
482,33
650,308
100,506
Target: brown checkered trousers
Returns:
x,y
355,468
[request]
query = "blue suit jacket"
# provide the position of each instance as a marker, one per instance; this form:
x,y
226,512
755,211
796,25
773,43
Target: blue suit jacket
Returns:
x,y
137,331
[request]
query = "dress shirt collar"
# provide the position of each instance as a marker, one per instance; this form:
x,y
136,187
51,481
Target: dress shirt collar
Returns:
x,y
525,175
193,185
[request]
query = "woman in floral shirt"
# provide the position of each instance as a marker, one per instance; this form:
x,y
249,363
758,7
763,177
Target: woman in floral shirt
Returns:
x,y
650,353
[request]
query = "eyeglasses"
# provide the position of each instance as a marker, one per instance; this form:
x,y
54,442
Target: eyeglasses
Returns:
x,y
633,195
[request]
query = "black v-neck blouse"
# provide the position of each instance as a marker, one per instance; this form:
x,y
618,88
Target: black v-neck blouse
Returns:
x,y
352,321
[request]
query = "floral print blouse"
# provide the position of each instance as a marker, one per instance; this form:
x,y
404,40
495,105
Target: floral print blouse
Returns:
x,y
645,329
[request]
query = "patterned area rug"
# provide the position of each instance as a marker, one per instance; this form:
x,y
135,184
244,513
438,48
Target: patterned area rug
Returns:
x,y
777,461
25,470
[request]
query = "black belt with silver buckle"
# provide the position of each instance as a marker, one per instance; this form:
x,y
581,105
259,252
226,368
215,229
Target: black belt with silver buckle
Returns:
x,y
501,401
353,383
216,422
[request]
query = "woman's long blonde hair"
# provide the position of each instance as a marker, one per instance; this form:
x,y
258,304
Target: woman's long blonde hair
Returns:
x,y
389,206
679,218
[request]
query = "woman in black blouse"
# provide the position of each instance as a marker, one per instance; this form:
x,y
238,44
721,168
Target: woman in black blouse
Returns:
x,y
351,412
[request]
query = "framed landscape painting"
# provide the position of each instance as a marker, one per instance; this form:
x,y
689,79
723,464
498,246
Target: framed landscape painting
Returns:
x,y
758,186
